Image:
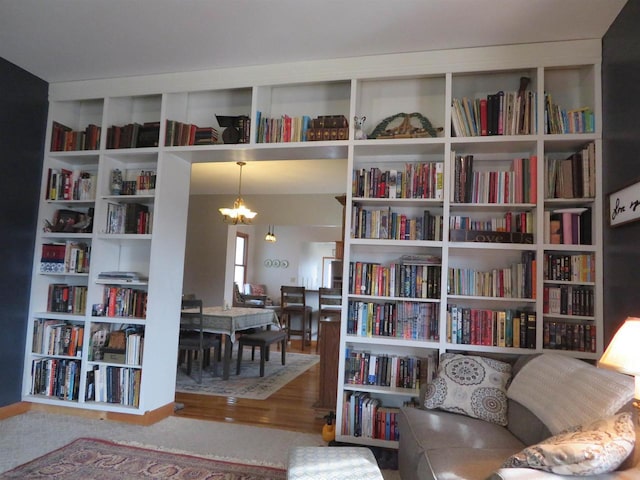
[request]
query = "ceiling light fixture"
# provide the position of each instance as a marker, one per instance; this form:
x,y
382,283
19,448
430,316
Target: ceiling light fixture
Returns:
x,y
239,213
270,236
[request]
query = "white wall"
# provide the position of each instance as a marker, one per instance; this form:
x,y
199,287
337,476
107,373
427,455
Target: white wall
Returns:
x,y
297,219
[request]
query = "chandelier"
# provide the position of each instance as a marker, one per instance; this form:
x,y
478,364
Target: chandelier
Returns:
x,y
239,213
270,236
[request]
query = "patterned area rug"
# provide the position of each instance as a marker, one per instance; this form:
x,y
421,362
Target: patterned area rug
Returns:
x,y
88,458
248,384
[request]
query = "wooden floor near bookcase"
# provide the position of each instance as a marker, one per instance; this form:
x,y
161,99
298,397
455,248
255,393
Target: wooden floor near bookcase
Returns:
x,y
290,408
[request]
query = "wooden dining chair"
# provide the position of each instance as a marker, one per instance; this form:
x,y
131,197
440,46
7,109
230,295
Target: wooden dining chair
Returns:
x,y
293,305
194,341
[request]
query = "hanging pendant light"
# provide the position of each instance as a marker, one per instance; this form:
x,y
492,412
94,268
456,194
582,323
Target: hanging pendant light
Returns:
x,y
239,213
270,236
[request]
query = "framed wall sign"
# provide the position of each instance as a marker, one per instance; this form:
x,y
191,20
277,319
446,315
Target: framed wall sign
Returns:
x,y
624,205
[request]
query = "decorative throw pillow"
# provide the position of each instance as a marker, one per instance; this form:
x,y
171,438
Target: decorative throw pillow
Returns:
x,y
596,448
470,385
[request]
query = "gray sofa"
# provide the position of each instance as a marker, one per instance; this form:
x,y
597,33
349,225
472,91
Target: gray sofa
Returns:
x,y
442,445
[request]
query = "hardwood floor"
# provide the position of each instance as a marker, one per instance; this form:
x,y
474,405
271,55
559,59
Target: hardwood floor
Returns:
x,y
290,408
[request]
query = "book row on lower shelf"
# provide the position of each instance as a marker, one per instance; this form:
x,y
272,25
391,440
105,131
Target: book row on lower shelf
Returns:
x,y
397,279
570,267
53,337
55,377
63,298
389,225
128,218
410,372
568,226
572,177
119,385
417,180
517,184
65,257
577,337
494,328
120,301
515,281
407,320
569,300
65,139
366,417
65,184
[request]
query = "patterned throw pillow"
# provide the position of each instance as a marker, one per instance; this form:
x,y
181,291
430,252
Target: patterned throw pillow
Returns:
x,y
470,385
592,449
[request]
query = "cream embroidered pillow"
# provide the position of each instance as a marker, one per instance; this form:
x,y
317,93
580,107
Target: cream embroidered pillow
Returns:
x,y
592,449
470,385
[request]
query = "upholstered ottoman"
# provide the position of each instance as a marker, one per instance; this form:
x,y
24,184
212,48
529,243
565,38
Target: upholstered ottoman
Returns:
x,y
332,463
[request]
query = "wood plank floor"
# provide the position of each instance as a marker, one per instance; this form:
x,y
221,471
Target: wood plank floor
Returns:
x,y
290,408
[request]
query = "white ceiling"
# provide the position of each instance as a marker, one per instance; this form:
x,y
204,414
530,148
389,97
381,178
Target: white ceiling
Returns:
x,y
64,40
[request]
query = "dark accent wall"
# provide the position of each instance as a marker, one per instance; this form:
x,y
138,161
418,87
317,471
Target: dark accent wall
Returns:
x,y
23,115
621,163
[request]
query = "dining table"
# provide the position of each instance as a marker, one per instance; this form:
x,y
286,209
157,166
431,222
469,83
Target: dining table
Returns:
x,y
230,320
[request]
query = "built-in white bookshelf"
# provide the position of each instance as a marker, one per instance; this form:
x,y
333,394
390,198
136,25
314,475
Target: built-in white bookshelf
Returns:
x,y
426,86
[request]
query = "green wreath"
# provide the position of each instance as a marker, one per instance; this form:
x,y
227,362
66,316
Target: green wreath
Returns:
x,y
406,130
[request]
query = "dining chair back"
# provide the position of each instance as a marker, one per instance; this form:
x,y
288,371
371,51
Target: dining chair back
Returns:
x,y
193,339
329,307
293,305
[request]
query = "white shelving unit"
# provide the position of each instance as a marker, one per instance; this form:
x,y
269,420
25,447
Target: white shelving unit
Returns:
x,y
376,87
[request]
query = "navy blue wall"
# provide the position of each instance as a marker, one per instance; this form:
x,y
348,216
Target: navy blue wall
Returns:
x,y
621,162
23,112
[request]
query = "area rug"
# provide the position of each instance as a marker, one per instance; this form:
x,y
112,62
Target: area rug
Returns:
x,y
89,458
248,384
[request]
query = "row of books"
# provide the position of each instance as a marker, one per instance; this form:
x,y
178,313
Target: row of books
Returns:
x,y
568,300
138,182
55,377
502,113
568,226
579,267
417,180
366,368
65,184
516,281
577,337
111,384
283,129
133,135
124,302
572,177
52,337
65,257
63,298
514,184
389,225
394,280
497,328
407,320
514,221
65,139
363,416
180,134
558,120
128,218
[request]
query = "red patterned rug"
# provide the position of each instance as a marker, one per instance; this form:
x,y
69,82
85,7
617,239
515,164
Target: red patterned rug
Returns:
x,y
88,458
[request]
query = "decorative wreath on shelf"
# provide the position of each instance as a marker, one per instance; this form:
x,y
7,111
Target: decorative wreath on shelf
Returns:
x,y
411,125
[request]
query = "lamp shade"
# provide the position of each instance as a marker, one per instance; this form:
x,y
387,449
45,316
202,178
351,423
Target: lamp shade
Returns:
x,y
623,354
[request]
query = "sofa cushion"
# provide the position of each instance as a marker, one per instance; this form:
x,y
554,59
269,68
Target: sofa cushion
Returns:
x,y
596,448
470,385
427,434
564,391
528,428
